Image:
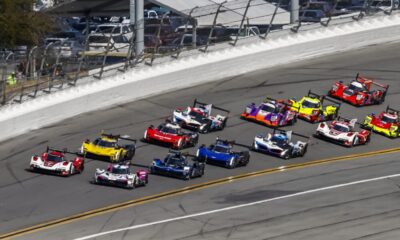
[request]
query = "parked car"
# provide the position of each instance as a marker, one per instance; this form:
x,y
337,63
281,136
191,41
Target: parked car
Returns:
x,y
69,48
98,42
115,29
311,15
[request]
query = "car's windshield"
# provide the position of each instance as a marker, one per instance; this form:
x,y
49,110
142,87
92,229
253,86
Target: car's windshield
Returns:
x,y
108,29
174,161
115,170
221,149
388,119
356,86
169,130
54,158
107,144
196,114
341,128
309,104
268,108
279,140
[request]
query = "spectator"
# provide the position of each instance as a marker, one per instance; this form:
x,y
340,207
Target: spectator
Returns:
x,y
11,80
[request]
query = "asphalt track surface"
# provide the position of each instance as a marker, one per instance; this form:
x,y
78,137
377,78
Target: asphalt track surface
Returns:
x,y
29,198
321,202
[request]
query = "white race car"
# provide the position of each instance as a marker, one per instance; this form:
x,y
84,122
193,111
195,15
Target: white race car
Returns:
x,y
198,117
342,131
279,144
56,162
120,175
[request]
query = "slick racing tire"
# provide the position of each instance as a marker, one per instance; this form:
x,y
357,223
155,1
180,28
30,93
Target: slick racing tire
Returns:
x,y
180,144
356,141
232,163
304,151
82,168
71,170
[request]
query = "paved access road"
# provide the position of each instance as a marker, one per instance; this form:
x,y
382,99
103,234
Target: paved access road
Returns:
x,y
28,198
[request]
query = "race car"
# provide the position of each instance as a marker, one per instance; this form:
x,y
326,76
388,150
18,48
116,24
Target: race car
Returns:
x,y
55,161
279,144
221,154
176,164
271,112
170,134
198,117
387,123
359,92
109,146
343,132
120,175
311,108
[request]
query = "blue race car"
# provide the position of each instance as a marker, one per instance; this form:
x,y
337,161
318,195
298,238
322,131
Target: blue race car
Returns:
x,y
221,154
175,164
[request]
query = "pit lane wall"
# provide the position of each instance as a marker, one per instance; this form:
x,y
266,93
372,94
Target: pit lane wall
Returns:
x,y
194,70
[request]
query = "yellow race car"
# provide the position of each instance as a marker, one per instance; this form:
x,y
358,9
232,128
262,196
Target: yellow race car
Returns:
x,y
311,108
109,146
386,123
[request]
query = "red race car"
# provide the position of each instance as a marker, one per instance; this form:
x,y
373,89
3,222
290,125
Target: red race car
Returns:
x,y
170,134
55,161
359,92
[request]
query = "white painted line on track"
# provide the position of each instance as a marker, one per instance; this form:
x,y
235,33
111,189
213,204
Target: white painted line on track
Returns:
x,y
238,206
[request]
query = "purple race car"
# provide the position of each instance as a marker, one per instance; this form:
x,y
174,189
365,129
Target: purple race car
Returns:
x,y
271,112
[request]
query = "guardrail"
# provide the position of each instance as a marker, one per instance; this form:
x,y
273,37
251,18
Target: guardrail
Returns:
x,y
50,68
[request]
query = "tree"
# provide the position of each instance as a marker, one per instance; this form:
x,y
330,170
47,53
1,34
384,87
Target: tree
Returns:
x,y
20,25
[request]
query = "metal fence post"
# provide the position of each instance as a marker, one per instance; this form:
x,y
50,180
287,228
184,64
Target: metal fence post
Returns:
x,y
81,59
157,41
29,63
130,52
213,26
272,20
105,54
3,84
241,23
189,19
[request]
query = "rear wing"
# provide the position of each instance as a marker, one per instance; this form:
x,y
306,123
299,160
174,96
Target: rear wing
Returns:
x,y
324,98
290,133
352,122
225,141
198,103
117,137
392,111
64,150
366,80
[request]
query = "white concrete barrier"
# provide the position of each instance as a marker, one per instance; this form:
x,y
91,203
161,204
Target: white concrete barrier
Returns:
x,y
191,71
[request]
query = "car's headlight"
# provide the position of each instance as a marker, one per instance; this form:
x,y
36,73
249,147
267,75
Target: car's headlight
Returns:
x,y
273,118
334,88
359,97
284,152
393,128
